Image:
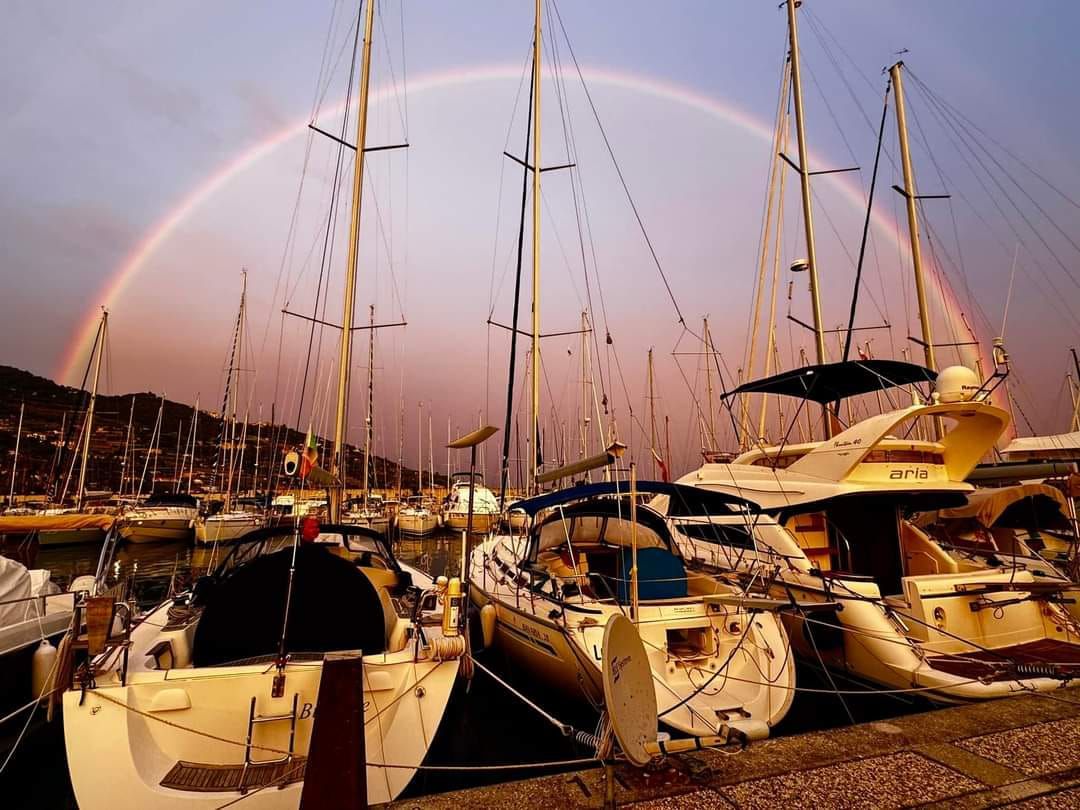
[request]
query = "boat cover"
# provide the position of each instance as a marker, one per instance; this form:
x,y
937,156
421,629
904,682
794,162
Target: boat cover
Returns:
x,y
333,607
24,524
988,505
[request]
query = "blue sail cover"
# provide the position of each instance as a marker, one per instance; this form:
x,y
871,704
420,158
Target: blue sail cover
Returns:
x,y
718,501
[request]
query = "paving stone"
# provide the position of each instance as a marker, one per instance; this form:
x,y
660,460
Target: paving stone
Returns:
x,y
1036,749
890,781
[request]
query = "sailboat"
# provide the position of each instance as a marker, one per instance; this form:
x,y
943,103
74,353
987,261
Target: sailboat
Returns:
x,y
591,551
418,517
217,693
81,531
369,510
230,524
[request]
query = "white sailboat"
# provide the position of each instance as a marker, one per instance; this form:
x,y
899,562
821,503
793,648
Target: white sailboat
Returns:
x,y
419,518
590,552
84,531
230,523
216,694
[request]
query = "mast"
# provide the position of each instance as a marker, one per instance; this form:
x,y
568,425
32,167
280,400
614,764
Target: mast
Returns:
x,y
194,441
127,447
910,196
258,445
804,180
535,352
345,350
14,463
370,403
102,332
176,458
586,386
431,458
420,448
652,417
707,348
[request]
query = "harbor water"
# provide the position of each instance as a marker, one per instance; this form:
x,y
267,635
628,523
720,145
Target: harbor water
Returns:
x,y
485,725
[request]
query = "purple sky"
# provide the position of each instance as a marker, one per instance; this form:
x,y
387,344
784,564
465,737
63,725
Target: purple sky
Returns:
x,y
111,120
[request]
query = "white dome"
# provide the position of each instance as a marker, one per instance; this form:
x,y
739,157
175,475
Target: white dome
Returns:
x,y
957,384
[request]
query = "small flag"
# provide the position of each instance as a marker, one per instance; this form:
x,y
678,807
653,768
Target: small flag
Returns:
x,y
310,454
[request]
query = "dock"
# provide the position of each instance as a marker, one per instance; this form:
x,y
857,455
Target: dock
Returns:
x,y
1021,752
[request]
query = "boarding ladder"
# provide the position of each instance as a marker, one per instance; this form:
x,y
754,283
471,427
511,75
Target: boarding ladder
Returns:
x,y
256,719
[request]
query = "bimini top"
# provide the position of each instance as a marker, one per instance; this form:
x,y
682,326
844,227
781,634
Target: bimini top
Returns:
x,y
835,381
707,501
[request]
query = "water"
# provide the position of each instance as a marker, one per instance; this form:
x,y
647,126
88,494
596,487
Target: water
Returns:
x,y
484,723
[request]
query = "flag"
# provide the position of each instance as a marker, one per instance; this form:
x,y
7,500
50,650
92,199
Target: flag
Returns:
x,y
665,476
310,454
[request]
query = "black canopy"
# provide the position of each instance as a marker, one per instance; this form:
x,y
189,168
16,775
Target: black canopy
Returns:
x,y
835,381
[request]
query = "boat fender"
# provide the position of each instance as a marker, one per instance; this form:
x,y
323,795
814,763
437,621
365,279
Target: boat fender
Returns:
x,y
487,624
452,608
41,668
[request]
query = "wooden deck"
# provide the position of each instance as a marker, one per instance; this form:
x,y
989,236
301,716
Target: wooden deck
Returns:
x,y
998,665
201,778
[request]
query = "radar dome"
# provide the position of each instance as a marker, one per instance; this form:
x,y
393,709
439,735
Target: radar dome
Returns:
x,y
957,384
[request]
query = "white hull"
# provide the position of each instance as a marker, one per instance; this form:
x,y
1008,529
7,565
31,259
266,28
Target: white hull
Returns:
x,y
158,525
417,524
751,694
482,522
226,528
118,757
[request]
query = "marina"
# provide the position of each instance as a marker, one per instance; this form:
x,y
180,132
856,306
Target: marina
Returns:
x,y
749,497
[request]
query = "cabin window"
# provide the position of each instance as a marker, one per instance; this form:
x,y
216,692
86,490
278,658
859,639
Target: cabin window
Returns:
x,y
723,534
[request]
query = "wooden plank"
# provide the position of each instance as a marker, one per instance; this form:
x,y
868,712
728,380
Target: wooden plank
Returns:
x,y
336,776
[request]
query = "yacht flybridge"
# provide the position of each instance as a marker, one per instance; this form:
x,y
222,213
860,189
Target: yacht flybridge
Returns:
x,y
910,615
716,664
214,693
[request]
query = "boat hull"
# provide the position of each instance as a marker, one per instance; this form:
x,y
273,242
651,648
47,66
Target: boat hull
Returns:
x,y
417,525
225,531
71,537
156,531
483,522
132,746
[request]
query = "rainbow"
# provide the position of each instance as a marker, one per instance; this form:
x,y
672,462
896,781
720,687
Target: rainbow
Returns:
x,y
78,346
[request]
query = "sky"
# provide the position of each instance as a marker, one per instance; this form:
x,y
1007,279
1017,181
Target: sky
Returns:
x,y
170,141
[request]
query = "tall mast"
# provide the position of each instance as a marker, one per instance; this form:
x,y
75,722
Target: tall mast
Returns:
x,y
706,339
586,420
804,180
431,458
910,196
369,422
102,332
420,448
345,353
14,463
535,353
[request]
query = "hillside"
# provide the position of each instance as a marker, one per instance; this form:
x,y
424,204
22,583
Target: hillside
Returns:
x,y
54,414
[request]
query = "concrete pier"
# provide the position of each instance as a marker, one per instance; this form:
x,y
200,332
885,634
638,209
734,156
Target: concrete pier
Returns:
x,y
1021,752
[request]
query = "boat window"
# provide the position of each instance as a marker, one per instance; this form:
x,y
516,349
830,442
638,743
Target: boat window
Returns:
x,y
720,533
